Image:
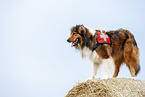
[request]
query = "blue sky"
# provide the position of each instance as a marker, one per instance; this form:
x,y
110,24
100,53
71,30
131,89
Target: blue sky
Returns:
x,y
36,60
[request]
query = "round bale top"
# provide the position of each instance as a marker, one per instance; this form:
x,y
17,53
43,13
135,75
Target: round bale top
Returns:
x,y
119,87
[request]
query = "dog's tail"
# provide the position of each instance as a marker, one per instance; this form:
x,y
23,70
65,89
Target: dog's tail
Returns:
x,y
131,52
136,49
137,69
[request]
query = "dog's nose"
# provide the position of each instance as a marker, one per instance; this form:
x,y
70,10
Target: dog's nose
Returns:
x,y
68,40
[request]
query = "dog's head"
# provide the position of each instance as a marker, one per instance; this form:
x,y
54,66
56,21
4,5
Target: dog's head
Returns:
x,y
79,36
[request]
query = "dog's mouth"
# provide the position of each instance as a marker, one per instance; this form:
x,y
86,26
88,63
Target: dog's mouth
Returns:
x,y
75,42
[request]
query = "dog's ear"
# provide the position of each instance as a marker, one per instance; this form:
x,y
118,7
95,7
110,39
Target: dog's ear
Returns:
x,y
82,30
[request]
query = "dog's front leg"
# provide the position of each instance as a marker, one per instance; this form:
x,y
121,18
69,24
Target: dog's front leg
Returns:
x,y
107,64
95,68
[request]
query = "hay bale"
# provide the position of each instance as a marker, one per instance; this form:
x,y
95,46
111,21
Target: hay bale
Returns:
x,y
119,87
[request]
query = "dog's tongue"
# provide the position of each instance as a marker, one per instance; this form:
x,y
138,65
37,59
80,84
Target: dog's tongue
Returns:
x,y
74,43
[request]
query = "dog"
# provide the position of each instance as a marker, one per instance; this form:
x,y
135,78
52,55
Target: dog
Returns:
x,y
107,48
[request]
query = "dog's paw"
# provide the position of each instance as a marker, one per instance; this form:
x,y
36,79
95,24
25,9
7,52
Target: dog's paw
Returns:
x,y
90,78
104,77
114,78
133,78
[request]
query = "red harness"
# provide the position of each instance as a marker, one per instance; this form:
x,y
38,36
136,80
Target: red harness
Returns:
x,y
102,38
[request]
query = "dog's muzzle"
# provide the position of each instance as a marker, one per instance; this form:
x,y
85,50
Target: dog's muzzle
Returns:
x,y
68,40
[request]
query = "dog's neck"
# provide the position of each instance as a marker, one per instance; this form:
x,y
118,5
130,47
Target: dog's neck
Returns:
x,y
88,42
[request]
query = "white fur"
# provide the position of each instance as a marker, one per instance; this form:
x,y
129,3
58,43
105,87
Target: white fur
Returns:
x,y
95,68
107,64
86,52
91,30
94,57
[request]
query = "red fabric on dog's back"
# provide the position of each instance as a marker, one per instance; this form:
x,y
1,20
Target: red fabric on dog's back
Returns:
x,y
103,38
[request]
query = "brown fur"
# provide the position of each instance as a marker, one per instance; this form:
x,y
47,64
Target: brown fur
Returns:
x,y
123,48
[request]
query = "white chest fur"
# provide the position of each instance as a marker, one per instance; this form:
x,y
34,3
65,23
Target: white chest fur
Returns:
x,y
92,55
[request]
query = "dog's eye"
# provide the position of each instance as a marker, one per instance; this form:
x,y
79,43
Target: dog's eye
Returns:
x,y
74,33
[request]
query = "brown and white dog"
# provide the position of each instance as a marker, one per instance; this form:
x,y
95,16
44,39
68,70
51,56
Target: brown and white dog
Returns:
x,y
123,49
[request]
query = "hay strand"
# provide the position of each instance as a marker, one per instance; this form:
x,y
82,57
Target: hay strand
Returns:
x,y
119,87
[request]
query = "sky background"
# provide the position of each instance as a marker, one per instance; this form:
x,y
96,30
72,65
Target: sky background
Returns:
x,y
36,60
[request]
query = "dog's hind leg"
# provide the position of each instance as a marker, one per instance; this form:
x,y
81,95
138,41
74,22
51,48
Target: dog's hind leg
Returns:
x,y
117,63
132,70
116,71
